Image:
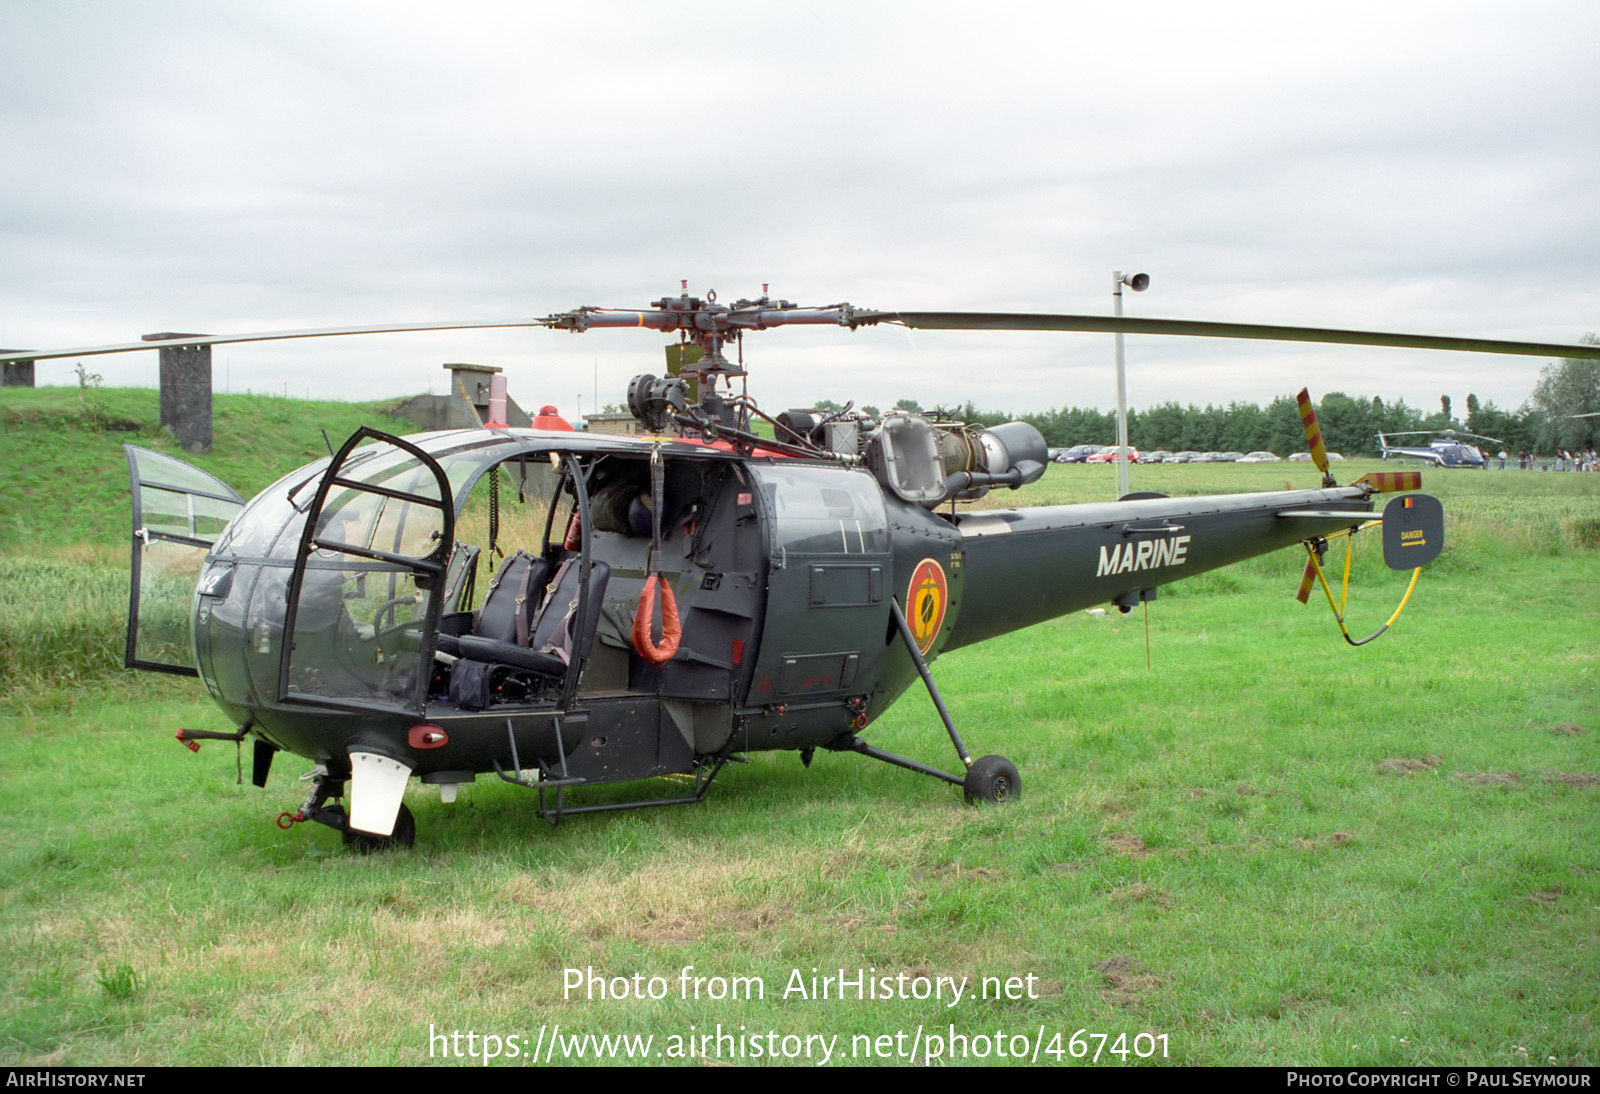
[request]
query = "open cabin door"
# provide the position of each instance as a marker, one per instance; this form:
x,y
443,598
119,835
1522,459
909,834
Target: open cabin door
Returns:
x,y
178,513
368,580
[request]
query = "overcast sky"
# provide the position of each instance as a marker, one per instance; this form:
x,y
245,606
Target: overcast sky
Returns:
x,y
1428,167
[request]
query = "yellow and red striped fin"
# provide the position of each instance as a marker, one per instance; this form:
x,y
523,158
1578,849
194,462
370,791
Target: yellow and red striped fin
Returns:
x,y
1308,418
1391,482
1307,579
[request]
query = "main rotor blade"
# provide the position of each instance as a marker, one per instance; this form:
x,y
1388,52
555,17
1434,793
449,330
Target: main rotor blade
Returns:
x,y
262,336
1106,324
1444,433
847,316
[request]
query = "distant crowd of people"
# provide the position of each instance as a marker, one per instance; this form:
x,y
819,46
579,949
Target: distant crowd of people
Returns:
x,y
1563,461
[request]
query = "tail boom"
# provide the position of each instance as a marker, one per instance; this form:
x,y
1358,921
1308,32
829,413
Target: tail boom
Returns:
x,y
1025,566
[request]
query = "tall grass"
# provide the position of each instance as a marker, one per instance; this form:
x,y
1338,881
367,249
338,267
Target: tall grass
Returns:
x,y
62,621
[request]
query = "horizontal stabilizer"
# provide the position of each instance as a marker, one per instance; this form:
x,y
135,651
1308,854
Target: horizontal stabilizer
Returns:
x,y
1391,482
1345,516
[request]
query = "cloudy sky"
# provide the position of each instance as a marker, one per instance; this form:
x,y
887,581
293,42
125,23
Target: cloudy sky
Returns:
x,y
1426,167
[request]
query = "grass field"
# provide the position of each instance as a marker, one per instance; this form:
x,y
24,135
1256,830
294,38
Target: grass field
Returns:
x,y
1267,848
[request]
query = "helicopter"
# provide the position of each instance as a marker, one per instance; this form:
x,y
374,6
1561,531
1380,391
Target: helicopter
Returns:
x,y
1444,451
688,595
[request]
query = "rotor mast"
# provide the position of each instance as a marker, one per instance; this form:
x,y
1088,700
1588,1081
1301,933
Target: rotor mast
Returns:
x,y
710,327
704,322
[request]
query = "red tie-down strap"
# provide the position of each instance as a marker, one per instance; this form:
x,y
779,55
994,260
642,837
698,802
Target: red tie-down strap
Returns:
x,y
644,618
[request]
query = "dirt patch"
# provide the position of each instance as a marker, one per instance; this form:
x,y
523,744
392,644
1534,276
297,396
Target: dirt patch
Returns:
x,y
856,924
957,872
1126,844
693,928
1118,965
1395,766
1488,778
1245,790
1125,979
1142,893
669,928
1547,897
460,925
1567,729
1572,778
1333,839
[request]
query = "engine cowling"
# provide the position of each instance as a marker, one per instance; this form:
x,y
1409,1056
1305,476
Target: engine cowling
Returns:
x,y
928,463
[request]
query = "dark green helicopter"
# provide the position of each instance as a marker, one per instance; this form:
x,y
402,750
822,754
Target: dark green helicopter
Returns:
x,y
692,594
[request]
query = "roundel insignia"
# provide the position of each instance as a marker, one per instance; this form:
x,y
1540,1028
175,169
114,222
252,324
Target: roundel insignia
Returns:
x,y
928,596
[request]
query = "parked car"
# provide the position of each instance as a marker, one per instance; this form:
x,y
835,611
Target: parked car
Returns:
x,y
1259,457
1109,455
1078,453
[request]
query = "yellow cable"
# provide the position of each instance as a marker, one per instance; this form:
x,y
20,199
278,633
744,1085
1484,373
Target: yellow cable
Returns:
x,y
1338,614
1344,589
1414,575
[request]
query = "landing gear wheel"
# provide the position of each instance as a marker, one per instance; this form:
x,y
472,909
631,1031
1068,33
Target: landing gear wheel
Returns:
x,y
992,779
405,834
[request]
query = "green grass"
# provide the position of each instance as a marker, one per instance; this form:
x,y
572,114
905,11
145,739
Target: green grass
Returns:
x,y
1269,848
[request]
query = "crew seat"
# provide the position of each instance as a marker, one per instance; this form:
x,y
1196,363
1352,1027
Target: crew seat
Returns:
x,y
507,610
492,668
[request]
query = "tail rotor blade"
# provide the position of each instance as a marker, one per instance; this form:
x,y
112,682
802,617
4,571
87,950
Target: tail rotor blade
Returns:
x,y
1308,418
1307,579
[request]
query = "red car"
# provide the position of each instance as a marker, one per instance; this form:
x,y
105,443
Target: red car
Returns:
x,y
1110,456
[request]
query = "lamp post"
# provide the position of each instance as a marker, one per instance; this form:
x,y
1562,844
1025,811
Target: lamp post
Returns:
x,y
1138,283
